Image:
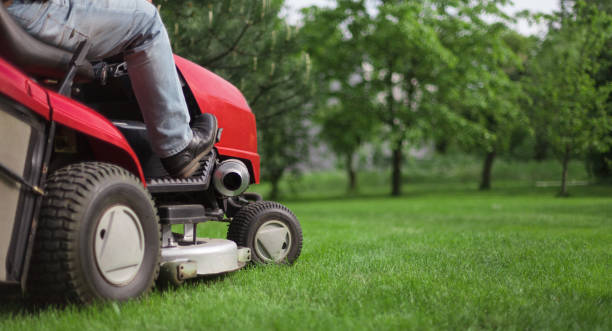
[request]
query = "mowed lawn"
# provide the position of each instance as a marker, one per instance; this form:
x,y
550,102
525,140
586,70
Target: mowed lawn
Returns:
x,y
440,257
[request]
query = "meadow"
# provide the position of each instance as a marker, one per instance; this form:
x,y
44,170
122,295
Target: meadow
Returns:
x,y
441,256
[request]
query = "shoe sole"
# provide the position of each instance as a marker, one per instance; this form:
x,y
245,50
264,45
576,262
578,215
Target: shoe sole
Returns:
x,y
192,166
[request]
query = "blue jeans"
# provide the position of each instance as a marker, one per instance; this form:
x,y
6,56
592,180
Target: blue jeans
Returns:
x,y
133,28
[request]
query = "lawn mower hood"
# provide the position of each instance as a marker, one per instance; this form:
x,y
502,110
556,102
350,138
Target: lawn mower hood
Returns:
x,y
215,95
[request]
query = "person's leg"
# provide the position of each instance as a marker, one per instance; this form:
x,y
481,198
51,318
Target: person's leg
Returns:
x,y
132,27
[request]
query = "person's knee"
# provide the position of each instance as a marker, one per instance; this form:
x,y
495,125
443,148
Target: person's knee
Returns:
x,y
153,17
149,25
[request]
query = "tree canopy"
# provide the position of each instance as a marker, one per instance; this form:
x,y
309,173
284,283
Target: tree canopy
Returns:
x,y
407,74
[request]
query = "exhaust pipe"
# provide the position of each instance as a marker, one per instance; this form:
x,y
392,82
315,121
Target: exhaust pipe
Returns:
x,y
231,178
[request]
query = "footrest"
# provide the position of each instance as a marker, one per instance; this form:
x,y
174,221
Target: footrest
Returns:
x,y
187,214
182,214
199,181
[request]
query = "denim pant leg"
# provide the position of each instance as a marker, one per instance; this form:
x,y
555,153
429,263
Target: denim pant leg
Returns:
x,y
131,27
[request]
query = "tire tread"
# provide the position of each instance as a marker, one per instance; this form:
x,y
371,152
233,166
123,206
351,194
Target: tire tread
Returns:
x,y
54,275
240,225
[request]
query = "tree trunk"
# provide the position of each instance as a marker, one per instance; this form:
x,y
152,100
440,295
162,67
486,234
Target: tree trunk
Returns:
x,y
351,173
566,159
274,190
540,148
441,145
485,182
396,180
275,182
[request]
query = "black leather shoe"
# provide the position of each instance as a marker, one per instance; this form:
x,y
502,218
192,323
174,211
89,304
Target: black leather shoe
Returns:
x,y
186,162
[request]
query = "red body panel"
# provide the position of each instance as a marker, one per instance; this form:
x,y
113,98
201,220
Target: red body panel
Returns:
x,y
212,93
107,142
217,96
79,117
19,87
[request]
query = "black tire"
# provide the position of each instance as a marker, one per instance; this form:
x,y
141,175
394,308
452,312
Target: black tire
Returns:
x,y
64,265
250,218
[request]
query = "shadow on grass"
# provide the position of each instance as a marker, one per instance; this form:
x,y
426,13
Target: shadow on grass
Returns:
x,y
14,303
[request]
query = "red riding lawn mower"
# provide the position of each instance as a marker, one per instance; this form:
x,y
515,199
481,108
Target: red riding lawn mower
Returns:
x,y
86,208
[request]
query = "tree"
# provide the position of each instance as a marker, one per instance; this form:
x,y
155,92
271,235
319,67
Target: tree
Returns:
x,y
435,69
480,95
407,57
246,42
600,163
568,102
344,98
568,5
283,109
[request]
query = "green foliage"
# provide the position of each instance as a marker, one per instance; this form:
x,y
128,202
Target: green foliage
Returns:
x,y
414,71
482,92
599,162
567,102
602,5
406,73
345,110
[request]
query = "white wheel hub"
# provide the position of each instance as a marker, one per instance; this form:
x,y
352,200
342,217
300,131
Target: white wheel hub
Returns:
x,y
119,245
273,241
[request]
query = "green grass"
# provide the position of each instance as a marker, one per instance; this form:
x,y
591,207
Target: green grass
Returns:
x,y
441,256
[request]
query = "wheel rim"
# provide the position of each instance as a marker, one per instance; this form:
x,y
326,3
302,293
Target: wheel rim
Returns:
x,y
273,241
119,245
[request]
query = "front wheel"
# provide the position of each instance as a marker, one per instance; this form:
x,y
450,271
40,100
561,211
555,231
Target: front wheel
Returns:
x,y
270,230
98,236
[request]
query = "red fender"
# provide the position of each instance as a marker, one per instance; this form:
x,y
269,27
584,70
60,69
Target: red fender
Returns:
x,y
107,141
19,87
217,96
108,144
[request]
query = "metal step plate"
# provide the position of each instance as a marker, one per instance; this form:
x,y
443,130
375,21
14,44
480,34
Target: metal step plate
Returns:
x,y
199,181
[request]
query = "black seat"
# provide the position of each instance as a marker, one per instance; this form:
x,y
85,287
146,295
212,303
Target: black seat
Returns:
x,y
34,56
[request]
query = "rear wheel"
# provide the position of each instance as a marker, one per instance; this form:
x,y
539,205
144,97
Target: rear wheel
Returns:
x,y
270,230
98,236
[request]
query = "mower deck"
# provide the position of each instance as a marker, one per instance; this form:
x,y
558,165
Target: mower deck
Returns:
x,y
208,256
